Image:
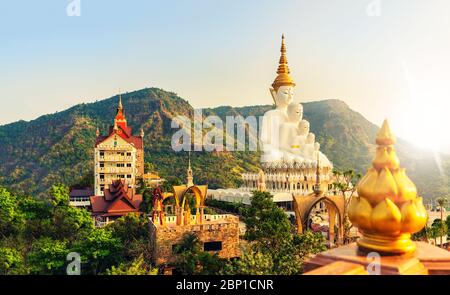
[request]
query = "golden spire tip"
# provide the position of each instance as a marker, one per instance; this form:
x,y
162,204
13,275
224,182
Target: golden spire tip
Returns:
x,y
385,135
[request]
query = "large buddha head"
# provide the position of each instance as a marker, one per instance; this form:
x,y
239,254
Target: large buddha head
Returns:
x,y
283,87
283,96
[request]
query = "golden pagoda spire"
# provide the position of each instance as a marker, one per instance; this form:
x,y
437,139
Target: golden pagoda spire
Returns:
x,y
283,78
387,209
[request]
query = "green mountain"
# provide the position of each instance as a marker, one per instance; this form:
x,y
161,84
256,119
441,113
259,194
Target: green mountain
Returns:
x,y
58,148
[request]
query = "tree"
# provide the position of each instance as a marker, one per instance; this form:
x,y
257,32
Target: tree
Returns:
x,y
132,230
135,267
273,248
59,195
11,261
48,256
192,260
422,235
438,229
69,222
345,184
99,250
442,202
266,223
447,221
253,262
11,219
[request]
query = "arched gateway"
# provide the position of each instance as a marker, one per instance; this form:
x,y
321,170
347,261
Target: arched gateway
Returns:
x,y
334,205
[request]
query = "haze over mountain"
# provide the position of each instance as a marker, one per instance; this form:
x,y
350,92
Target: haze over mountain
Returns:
x,y
58,148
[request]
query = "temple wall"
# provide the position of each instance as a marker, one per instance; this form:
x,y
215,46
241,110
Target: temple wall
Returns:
x,y
226,231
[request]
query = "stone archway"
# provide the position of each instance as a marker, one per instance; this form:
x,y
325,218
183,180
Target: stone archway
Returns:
x,y
303,205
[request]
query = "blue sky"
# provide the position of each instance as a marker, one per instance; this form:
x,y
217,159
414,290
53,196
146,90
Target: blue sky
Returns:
x,y
395,64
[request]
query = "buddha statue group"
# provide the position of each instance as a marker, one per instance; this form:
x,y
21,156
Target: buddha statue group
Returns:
x,y
285,135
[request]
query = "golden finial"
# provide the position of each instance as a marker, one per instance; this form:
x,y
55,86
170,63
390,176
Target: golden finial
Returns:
x,y
283,78
385,136
387,209
97,132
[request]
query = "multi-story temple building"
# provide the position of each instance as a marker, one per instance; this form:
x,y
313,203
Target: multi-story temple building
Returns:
x,y
118,155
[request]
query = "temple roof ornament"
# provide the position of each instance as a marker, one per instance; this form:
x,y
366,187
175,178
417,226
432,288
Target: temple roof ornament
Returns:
x,y
120,106
190,174
387,209
283,78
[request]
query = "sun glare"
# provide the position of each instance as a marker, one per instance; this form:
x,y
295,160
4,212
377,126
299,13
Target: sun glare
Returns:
x,y
424,118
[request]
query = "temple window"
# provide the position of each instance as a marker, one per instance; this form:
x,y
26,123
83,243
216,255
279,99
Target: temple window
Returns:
x,y
212,246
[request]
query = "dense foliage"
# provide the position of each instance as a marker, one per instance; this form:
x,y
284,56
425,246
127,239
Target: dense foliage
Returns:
x,y
36,236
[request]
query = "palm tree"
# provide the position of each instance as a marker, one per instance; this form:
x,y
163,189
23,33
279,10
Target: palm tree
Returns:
x,y
442,202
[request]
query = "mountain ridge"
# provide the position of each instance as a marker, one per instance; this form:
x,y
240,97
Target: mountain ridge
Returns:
x,y
58,147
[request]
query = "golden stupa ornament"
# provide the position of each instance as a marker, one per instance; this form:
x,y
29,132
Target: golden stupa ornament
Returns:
x,y
283,78
387,209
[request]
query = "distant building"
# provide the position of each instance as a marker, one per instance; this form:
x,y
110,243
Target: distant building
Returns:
x,y
79,197
152,179
117,200
118,155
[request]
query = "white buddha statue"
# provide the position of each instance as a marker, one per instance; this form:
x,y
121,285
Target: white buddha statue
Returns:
x,y
289,129
282,92
299,139
308,148
285,137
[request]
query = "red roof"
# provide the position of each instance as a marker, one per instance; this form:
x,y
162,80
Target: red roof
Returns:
x,y
123,130
136,141
118,199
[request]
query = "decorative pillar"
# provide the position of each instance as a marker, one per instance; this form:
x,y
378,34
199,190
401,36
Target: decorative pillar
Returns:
x,y
332,219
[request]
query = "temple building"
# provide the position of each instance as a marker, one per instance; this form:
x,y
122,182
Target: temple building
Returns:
x,y
218,233
117,200
118,155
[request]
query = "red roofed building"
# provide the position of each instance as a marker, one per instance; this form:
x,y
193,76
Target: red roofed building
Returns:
x,y
118,155
117,200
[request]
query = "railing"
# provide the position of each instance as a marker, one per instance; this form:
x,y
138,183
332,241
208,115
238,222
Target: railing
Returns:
x,y
172,219
116,158
79,201
116,169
